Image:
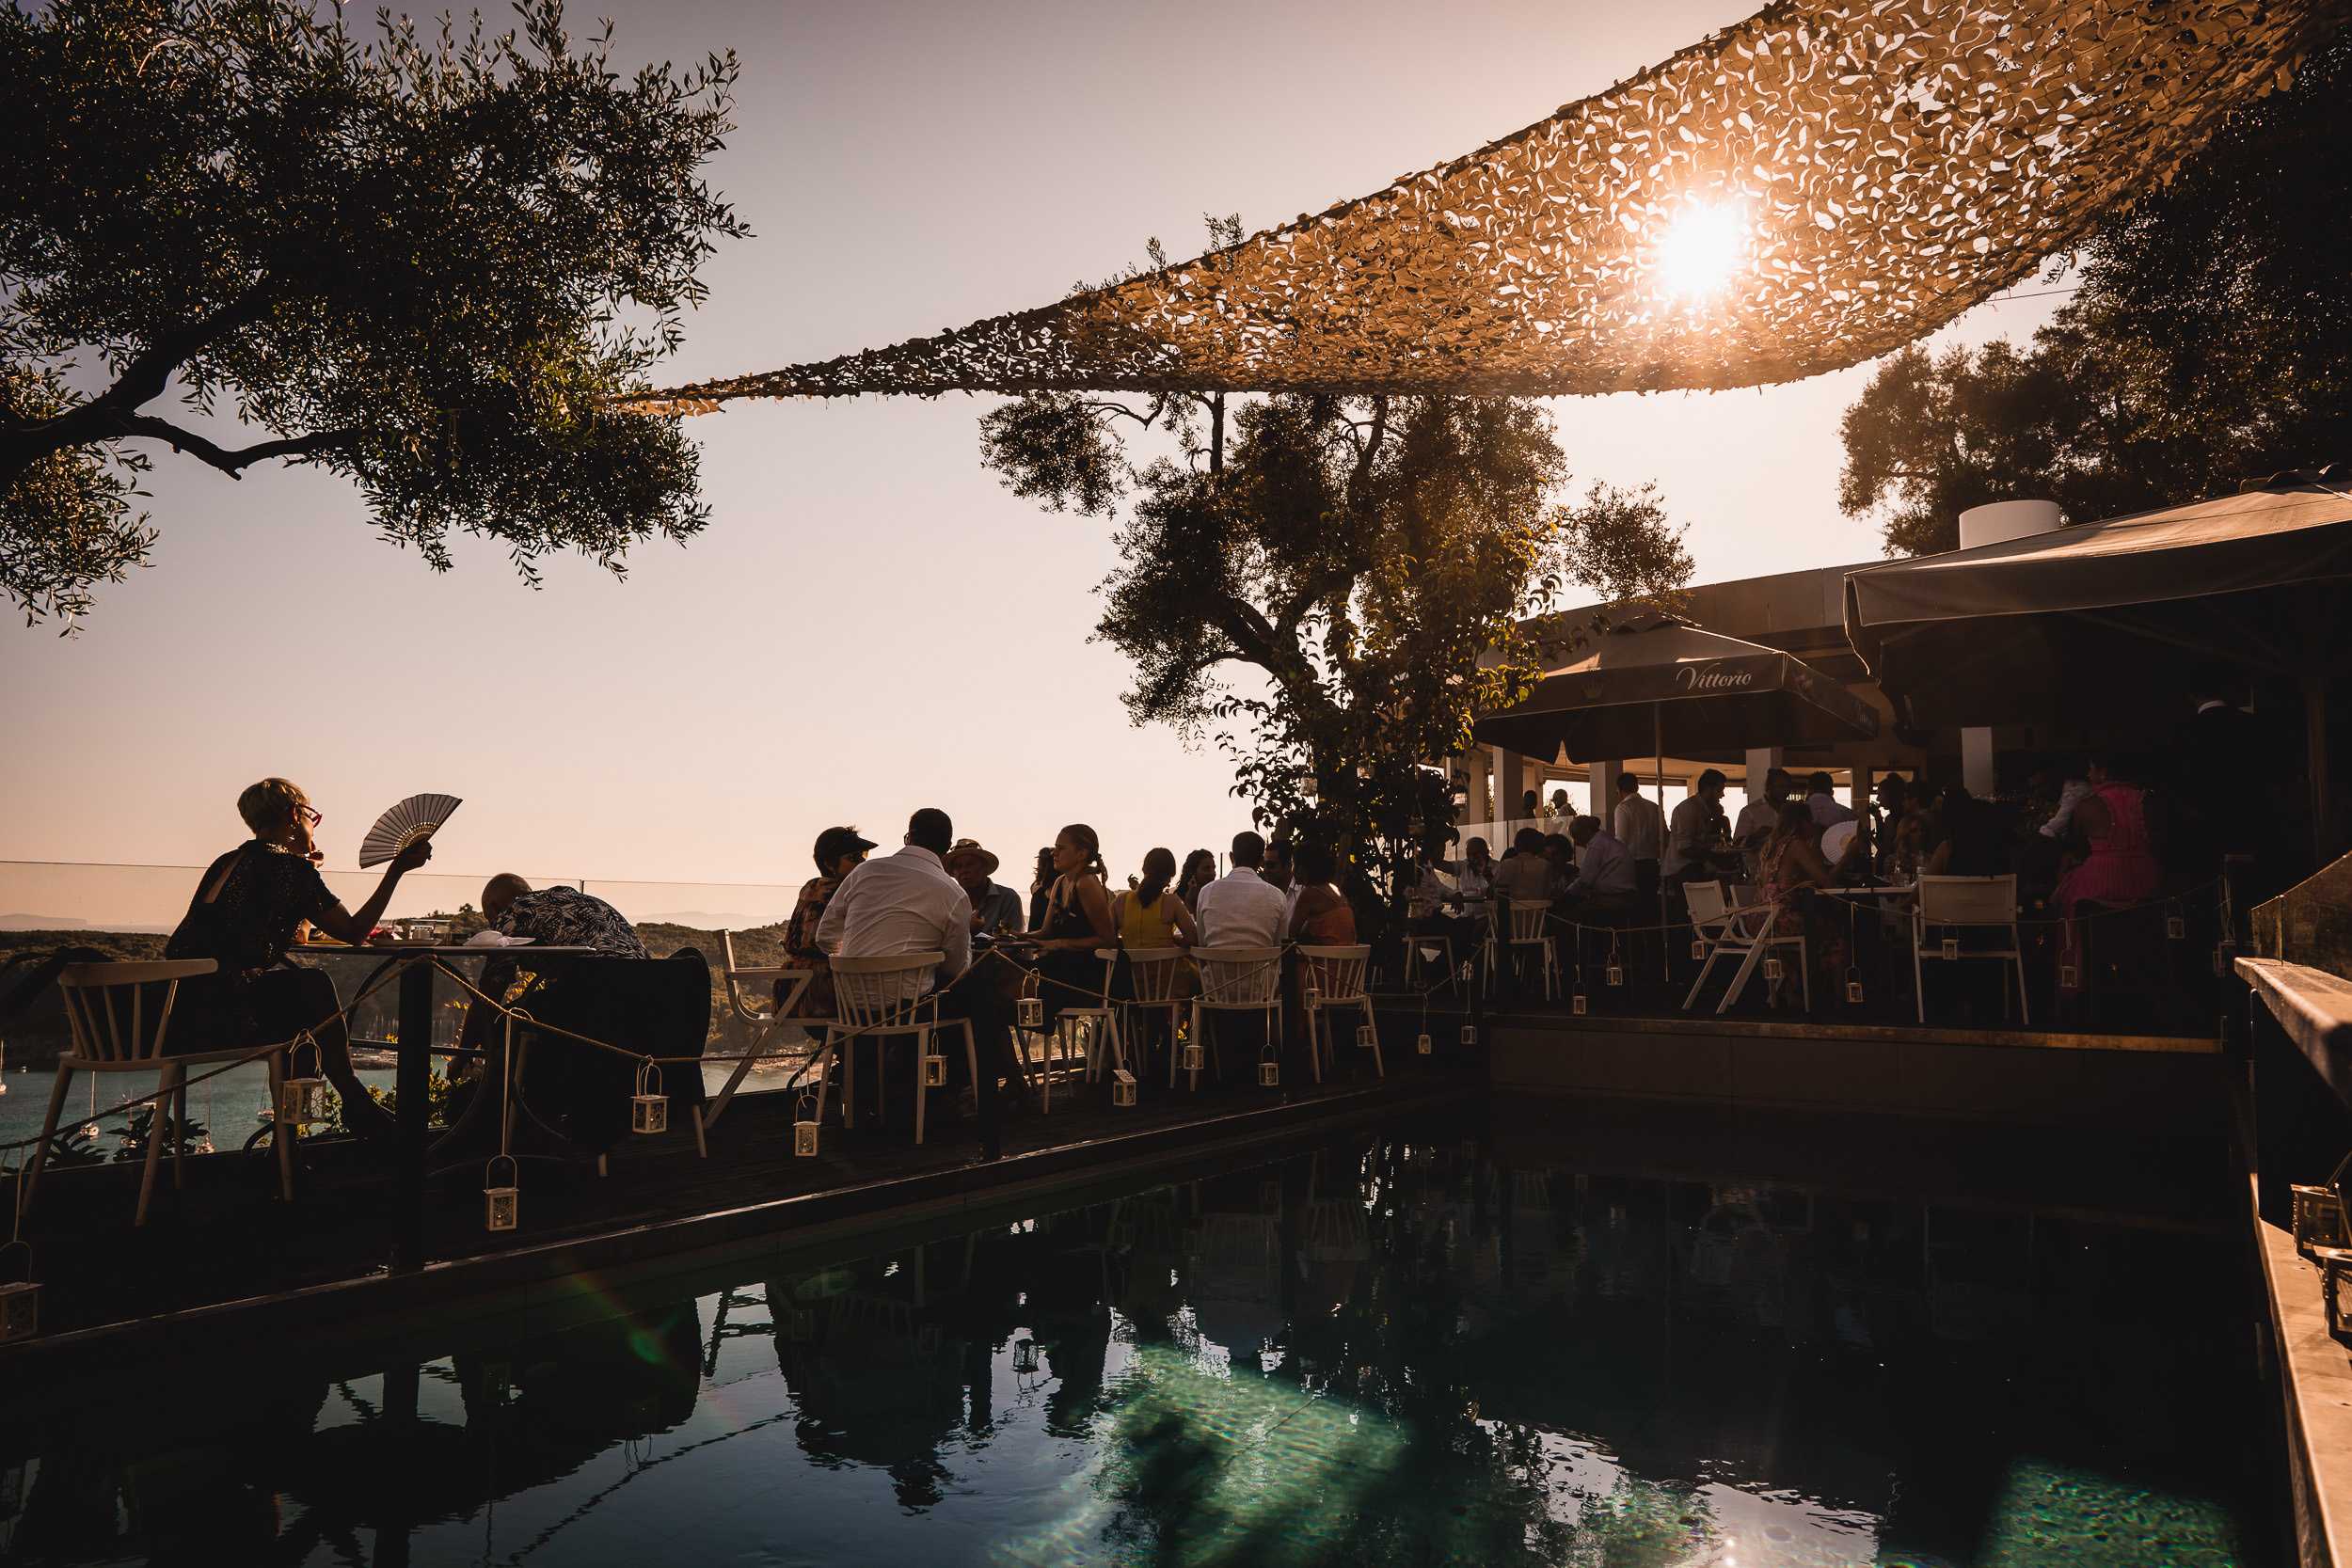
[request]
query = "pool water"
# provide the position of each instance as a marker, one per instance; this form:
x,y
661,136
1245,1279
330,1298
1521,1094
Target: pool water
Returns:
x,y
1387,1350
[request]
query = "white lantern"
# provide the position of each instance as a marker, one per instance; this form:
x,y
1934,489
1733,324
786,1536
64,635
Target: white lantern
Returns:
x,y
1698,951
1576,1004
2175,928
2066,977
1469,1033
1269,1072
1951,947
1616,974
934,1072
500,1204
1122,1087
1192,1058
302,1102
1032,1012
1025,1356
805,1139
649,1108
1853,992
1421,1045
1771,969
1366,1037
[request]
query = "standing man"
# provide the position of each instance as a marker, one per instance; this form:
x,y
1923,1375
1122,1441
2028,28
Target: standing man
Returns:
x,y
1698,822
1641,827
1822,800
1760,817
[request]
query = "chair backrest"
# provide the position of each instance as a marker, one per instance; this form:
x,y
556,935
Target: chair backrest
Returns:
x,y
750,1010
1705,902
1240,977
1527,918
1968,900
1337,972
121,1012
1155,973
876,990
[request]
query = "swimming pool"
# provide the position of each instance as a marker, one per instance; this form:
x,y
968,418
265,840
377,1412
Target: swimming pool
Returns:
x,y
1386,1349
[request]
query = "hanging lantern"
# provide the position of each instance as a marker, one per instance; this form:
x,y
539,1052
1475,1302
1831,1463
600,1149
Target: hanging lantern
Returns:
x,y
1771,969
499,1204
1698,952
2335,1263
649,1108
934,1072
1123,1086
1314,996
1025,1356
20,1303
1616,975
2223,954
1269,1071
1366,1037
1032,1012
805,1130
1853,992
2175,928
1469,1033
2066,977
1421,1045
302,1102
1951,947
1576,1004
1192,1057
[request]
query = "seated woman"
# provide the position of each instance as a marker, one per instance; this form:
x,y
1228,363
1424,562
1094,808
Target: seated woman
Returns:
x,y
244,917
837,853
1151,917
2120,870
1077,921
1320,915
1200,871
1790,864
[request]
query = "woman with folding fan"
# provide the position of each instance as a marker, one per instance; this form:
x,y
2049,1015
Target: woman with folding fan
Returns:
x,y
245,914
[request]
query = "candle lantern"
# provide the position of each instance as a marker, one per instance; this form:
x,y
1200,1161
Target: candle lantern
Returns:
x,y
934,1072
805,1130
1122,1087
1469,1033
20,1302
1698,951
2318,1219
1616,975
1951,947
2066,977
1421,1045
1366,1037
1192,1056
302,1102
1032,1011
499,1204
649,1108
1025,1356
2335,1263
1576,1004
1771,969
2175,928
1269,1071
1853,991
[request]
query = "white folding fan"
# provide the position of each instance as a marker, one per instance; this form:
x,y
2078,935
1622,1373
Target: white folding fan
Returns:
x,y
412,819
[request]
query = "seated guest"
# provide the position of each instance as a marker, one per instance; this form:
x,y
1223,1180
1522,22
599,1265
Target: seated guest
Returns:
x,y
1077,922
1974,843
2121,868
1150,915
993,908
1474,881
1526,877
839,850
1276,870
1532,808
1790,865
1241,909
1827,810
246,908
1200,871
1432,888
559,917
903,903
1604,876
1042,879
1894,800
1320,916
1760,817
1560,849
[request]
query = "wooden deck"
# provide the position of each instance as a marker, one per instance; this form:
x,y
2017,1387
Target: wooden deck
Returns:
x,y
225,1260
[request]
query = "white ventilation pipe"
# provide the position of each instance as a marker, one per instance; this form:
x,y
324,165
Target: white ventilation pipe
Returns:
x,y
2002,521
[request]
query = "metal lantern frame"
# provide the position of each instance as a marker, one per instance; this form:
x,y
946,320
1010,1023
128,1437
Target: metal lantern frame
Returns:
x,y
649,1108
502,1207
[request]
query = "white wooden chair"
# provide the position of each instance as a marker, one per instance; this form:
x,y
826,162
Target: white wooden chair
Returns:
x,y
750,997
121,1023
1731,931
1104,1014
1154,975
1948,903
877,998
1332,979
1530,929
1236,980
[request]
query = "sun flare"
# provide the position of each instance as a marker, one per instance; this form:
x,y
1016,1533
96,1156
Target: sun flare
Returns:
x,y
1701,249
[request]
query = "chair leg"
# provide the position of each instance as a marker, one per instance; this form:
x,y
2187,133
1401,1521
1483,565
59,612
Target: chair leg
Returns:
x,y
824,1065
1379,1067
1804,971
180,1137
2017,956
158,1114
1714,951
1755,951
282,1133
48,1128
922,1094
1918,977
1199,1039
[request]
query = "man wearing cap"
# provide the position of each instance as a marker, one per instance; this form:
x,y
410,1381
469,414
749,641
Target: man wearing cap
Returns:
x,y
993,906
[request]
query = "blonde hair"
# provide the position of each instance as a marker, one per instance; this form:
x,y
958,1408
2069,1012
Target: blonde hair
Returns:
x,y
264,805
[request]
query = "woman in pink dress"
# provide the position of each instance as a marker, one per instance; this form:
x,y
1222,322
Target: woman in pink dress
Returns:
x,y
2120,871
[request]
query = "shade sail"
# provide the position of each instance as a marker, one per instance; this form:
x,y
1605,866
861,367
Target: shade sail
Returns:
x,y
1658,683
1822,184
2104,619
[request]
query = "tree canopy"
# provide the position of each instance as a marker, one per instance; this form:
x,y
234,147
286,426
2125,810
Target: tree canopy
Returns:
x,y
2210,337
422,261
1369,556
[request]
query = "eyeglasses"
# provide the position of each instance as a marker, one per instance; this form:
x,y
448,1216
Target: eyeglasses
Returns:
x,y
316,817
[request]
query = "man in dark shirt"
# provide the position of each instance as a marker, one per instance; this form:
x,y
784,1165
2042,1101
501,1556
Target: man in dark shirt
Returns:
x,y
993,906
246,909
559,917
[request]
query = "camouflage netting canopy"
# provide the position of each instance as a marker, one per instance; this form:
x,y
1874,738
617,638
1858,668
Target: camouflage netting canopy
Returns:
x,y
1811,189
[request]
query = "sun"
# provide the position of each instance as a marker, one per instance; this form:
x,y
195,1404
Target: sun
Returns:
x,y
1701,249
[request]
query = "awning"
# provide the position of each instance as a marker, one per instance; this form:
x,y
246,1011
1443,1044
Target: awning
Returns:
x,y
2103,619
1661,685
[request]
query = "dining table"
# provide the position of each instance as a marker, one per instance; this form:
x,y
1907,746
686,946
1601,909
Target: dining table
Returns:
x,y
418,963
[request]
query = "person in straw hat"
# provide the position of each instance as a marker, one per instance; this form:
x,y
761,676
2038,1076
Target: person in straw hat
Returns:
x,y
994,907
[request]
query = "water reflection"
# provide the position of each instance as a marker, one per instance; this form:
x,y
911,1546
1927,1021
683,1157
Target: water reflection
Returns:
x,y
1392,1350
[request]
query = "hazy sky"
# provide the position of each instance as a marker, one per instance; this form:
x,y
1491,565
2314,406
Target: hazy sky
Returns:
x,y
871,624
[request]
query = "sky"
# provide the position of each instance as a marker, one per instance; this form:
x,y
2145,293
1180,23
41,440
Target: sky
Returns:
x,y
871,624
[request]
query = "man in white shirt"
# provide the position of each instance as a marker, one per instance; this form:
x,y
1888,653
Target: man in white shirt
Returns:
x,y
1241,909
1641,827
1760,817
1828,811
1604,874
903,903
1698,821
